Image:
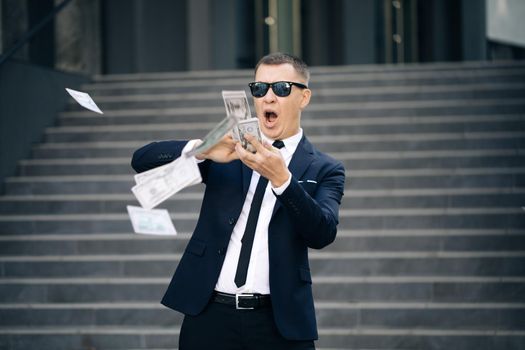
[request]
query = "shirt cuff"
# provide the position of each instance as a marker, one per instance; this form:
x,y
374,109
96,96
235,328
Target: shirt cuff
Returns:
x,y
279,190
191,145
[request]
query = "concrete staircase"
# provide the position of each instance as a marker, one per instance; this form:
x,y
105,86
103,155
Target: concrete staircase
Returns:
x,y
431,246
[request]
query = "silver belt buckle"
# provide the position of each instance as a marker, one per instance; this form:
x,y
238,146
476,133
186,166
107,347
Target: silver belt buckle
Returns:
x,y
237,301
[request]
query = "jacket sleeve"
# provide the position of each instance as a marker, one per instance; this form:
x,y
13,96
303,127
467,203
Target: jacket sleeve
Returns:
x,y
159,153
316,218
156,154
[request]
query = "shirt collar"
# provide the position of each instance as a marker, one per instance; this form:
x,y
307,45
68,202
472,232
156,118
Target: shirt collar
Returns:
x,y
290,143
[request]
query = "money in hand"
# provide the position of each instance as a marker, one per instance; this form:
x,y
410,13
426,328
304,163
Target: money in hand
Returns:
x,y
152,221
249,126
215,135
236,104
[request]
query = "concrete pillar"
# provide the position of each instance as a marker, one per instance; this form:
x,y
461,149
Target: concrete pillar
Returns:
x,y
42,45
78,39
15,23
160,32
199,35
1,29
145,36
315,35
359,27
440,30
224,28
474,32
246,22
119,47
284,34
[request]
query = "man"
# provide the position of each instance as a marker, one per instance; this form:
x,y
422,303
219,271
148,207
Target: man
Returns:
x,y
244,280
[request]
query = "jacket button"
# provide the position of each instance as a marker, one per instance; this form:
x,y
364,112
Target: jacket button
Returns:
x,y
231,221
221,251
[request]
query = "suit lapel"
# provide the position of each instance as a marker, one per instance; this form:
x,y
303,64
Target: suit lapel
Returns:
x,y
301,160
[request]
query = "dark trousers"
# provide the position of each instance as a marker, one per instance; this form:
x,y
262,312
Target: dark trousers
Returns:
x,y
222,327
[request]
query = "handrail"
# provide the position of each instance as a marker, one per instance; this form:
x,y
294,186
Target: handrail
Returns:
x,y
27,36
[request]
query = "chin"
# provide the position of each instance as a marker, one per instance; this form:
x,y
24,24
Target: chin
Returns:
x,y
272,134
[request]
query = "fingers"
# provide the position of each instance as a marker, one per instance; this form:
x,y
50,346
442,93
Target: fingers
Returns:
x,y
245,156
268,145
228,139
232,156
259,147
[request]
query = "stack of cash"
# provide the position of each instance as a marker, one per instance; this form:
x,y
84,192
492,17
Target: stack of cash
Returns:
x,y
237,106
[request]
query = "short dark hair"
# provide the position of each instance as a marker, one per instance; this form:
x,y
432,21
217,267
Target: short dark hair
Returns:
x,y
277,58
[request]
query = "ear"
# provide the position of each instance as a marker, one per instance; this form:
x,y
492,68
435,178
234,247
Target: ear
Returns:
x,y
307,94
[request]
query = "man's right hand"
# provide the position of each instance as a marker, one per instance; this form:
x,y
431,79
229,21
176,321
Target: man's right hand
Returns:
x,y
222,152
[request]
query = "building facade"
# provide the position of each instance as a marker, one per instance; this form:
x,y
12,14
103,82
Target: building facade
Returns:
x,y
127,36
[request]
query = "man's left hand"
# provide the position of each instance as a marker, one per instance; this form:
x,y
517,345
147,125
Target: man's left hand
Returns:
x,y
267,161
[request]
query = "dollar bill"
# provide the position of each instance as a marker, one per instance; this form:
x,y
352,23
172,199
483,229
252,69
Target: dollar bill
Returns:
x,y
84,100
236,104
235,133
163,170
151,221
249,126
163,182
146,175
215,135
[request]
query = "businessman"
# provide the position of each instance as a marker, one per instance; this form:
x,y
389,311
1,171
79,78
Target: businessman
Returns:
x,y
244,281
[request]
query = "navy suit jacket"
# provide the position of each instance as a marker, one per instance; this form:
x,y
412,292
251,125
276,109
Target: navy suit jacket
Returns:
x,y
305,216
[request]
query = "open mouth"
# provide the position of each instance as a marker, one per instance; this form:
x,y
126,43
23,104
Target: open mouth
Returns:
x,y
270,117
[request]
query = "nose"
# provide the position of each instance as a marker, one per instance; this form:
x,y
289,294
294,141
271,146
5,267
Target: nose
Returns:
x,y
270,96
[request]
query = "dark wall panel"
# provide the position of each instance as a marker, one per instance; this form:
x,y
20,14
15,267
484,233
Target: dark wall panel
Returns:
x,y
119,36
144,36
30,99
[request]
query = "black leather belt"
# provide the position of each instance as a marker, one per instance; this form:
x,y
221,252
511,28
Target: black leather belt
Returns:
x,y
242,301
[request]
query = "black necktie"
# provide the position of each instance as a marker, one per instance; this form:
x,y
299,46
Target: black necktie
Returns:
x,y
251,224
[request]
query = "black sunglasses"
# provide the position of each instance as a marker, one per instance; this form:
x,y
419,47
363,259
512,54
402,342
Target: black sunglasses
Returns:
x,y
279,88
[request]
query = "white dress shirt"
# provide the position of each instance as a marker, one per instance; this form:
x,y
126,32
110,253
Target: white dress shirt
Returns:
x,y
258,278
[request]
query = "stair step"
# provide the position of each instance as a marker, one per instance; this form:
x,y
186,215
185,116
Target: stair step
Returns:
x,y
336,143
352,160
105,338
380,93
501,177
405,218
349,111
353,94
482,316
191,201
506,263
337,288
346,241
337,127
339,79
